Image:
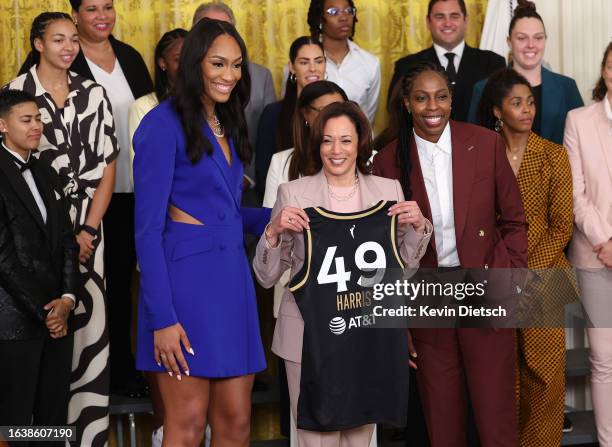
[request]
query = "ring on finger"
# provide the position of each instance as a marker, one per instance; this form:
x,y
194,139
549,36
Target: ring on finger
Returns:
x,y
409,213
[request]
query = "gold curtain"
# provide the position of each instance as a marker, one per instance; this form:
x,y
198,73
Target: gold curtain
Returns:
x,y
387,28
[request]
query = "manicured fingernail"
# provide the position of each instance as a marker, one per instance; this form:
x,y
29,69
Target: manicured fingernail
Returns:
x,y
190,351
187,372
179,377
158,363
170,373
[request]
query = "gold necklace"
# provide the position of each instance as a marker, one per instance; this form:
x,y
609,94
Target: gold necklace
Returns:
x,y
216,126
346,197
515,155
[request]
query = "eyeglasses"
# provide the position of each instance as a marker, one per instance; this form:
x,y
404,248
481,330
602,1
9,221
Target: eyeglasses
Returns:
x,y
349,11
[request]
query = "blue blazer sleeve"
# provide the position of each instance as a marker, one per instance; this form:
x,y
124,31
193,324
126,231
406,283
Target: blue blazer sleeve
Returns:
x,y
155,146
476,95
254,220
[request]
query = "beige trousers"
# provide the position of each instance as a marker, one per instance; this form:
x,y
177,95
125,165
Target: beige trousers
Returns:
x,y
355,437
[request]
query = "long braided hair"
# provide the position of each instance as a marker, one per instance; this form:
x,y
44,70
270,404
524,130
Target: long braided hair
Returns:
x,y
401,124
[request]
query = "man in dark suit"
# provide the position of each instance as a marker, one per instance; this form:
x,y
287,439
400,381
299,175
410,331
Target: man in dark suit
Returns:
x,y
38,274
447,22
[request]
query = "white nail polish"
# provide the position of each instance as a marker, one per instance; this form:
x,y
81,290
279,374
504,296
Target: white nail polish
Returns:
x,y
190,351
179,377
187,372
170,373
158,363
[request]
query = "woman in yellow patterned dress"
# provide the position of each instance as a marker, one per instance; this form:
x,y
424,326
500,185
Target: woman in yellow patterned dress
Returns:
x,y
543,173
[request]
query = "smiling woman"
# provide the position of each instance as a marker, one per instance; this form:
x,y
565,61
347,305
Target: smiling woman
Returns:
x,y
554,94
199,333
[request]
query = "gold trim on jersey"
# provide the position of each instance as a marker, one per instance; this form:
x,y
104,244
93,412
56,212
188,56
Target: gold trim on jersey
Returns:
x,y
394,243
349,216
307,261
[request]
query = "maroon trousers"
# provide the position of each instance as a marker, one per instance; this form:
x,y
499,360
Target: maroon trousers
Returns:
x,y
484,359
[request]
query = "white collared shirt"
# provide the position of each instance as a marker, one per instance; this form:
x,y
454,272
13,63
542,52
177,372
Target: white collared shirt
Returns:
x,y
359,76
458,51
29,179
437,167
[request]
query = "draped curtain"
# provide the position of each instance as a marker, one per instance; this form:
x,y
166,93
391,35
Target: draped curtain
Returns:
x,y
387,28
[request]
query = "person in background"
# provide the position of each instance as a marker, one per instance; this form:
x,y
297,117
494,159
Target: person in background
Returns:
x,y
544,177
464,65
79,142
356,71
120,69
167,54
436,161
588,139
39,274
554,94
188,170
293,163
262,94
306,65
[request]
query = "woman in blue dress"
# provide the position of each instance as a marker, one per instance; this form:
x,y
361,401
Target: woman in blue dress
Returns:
x,y
197,321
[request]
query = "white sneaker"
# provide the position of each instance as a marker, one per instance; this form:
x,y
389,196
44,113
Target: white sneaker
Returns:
x,y
157,437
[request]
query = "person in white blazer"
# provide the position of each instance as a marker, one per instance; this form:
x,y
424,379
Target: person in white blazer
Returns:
x,y
588,139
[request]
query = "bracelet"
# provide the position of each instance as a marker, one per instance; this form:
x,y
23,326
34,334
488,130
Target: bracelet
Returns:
x,y
278,240
89,230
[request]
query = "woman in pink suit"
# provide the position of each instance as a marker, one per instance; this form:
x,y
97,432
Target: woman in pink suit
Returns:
x,y
340,183
588,139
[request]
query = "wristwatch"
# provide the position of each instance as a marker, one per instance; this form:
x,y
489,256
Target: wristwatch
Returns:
x,y
89,230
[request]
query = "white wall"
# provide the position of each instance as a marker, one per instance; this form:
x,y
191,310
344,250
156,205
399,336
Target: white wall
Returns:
x,y
578,33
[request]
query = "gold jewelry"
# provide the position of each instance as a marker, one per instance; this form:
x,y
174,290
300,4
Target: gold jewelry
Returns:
x,y
346,197
216,126
514,155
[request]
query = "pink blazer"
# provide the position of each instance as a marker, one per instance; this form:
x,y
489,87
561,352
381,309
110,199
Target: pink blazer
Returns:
x,y
270,263
588,139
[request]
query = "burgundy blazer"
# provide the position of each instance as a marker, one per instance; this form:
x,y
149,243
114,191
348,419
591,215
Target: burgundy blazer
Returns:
x,y
490,225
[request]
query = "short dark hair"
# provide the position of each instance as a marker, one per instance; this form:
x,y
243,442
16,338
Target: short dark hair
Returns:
x,y
10,98
600,90
189,89
364,132
300,158
162,85
497,88
433,2
315,18
524,10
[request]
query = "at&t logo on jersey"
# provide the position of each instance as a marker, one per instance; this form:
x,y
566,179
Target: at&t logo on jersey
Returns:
x,y
338,324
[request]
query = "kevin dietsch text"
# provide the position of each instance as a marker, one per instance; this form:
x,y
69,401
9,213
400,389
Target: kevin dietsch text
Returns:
x,y
435,312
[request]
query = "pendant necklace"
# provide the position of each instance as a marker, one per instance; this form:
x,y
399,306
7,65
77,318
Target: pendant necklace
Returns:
x,y
216,126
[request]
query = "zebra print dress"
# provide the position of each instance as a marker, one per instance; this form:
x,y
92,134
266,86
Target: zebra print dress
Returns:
x,y
79,141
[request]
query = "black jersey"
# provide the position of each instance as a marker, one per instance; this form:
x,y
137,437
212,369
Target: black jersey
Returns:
x,y
352,372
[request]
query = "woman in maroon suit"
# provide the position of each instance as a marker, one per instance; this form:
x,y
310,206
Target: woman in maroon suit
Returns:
x,y
460,175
